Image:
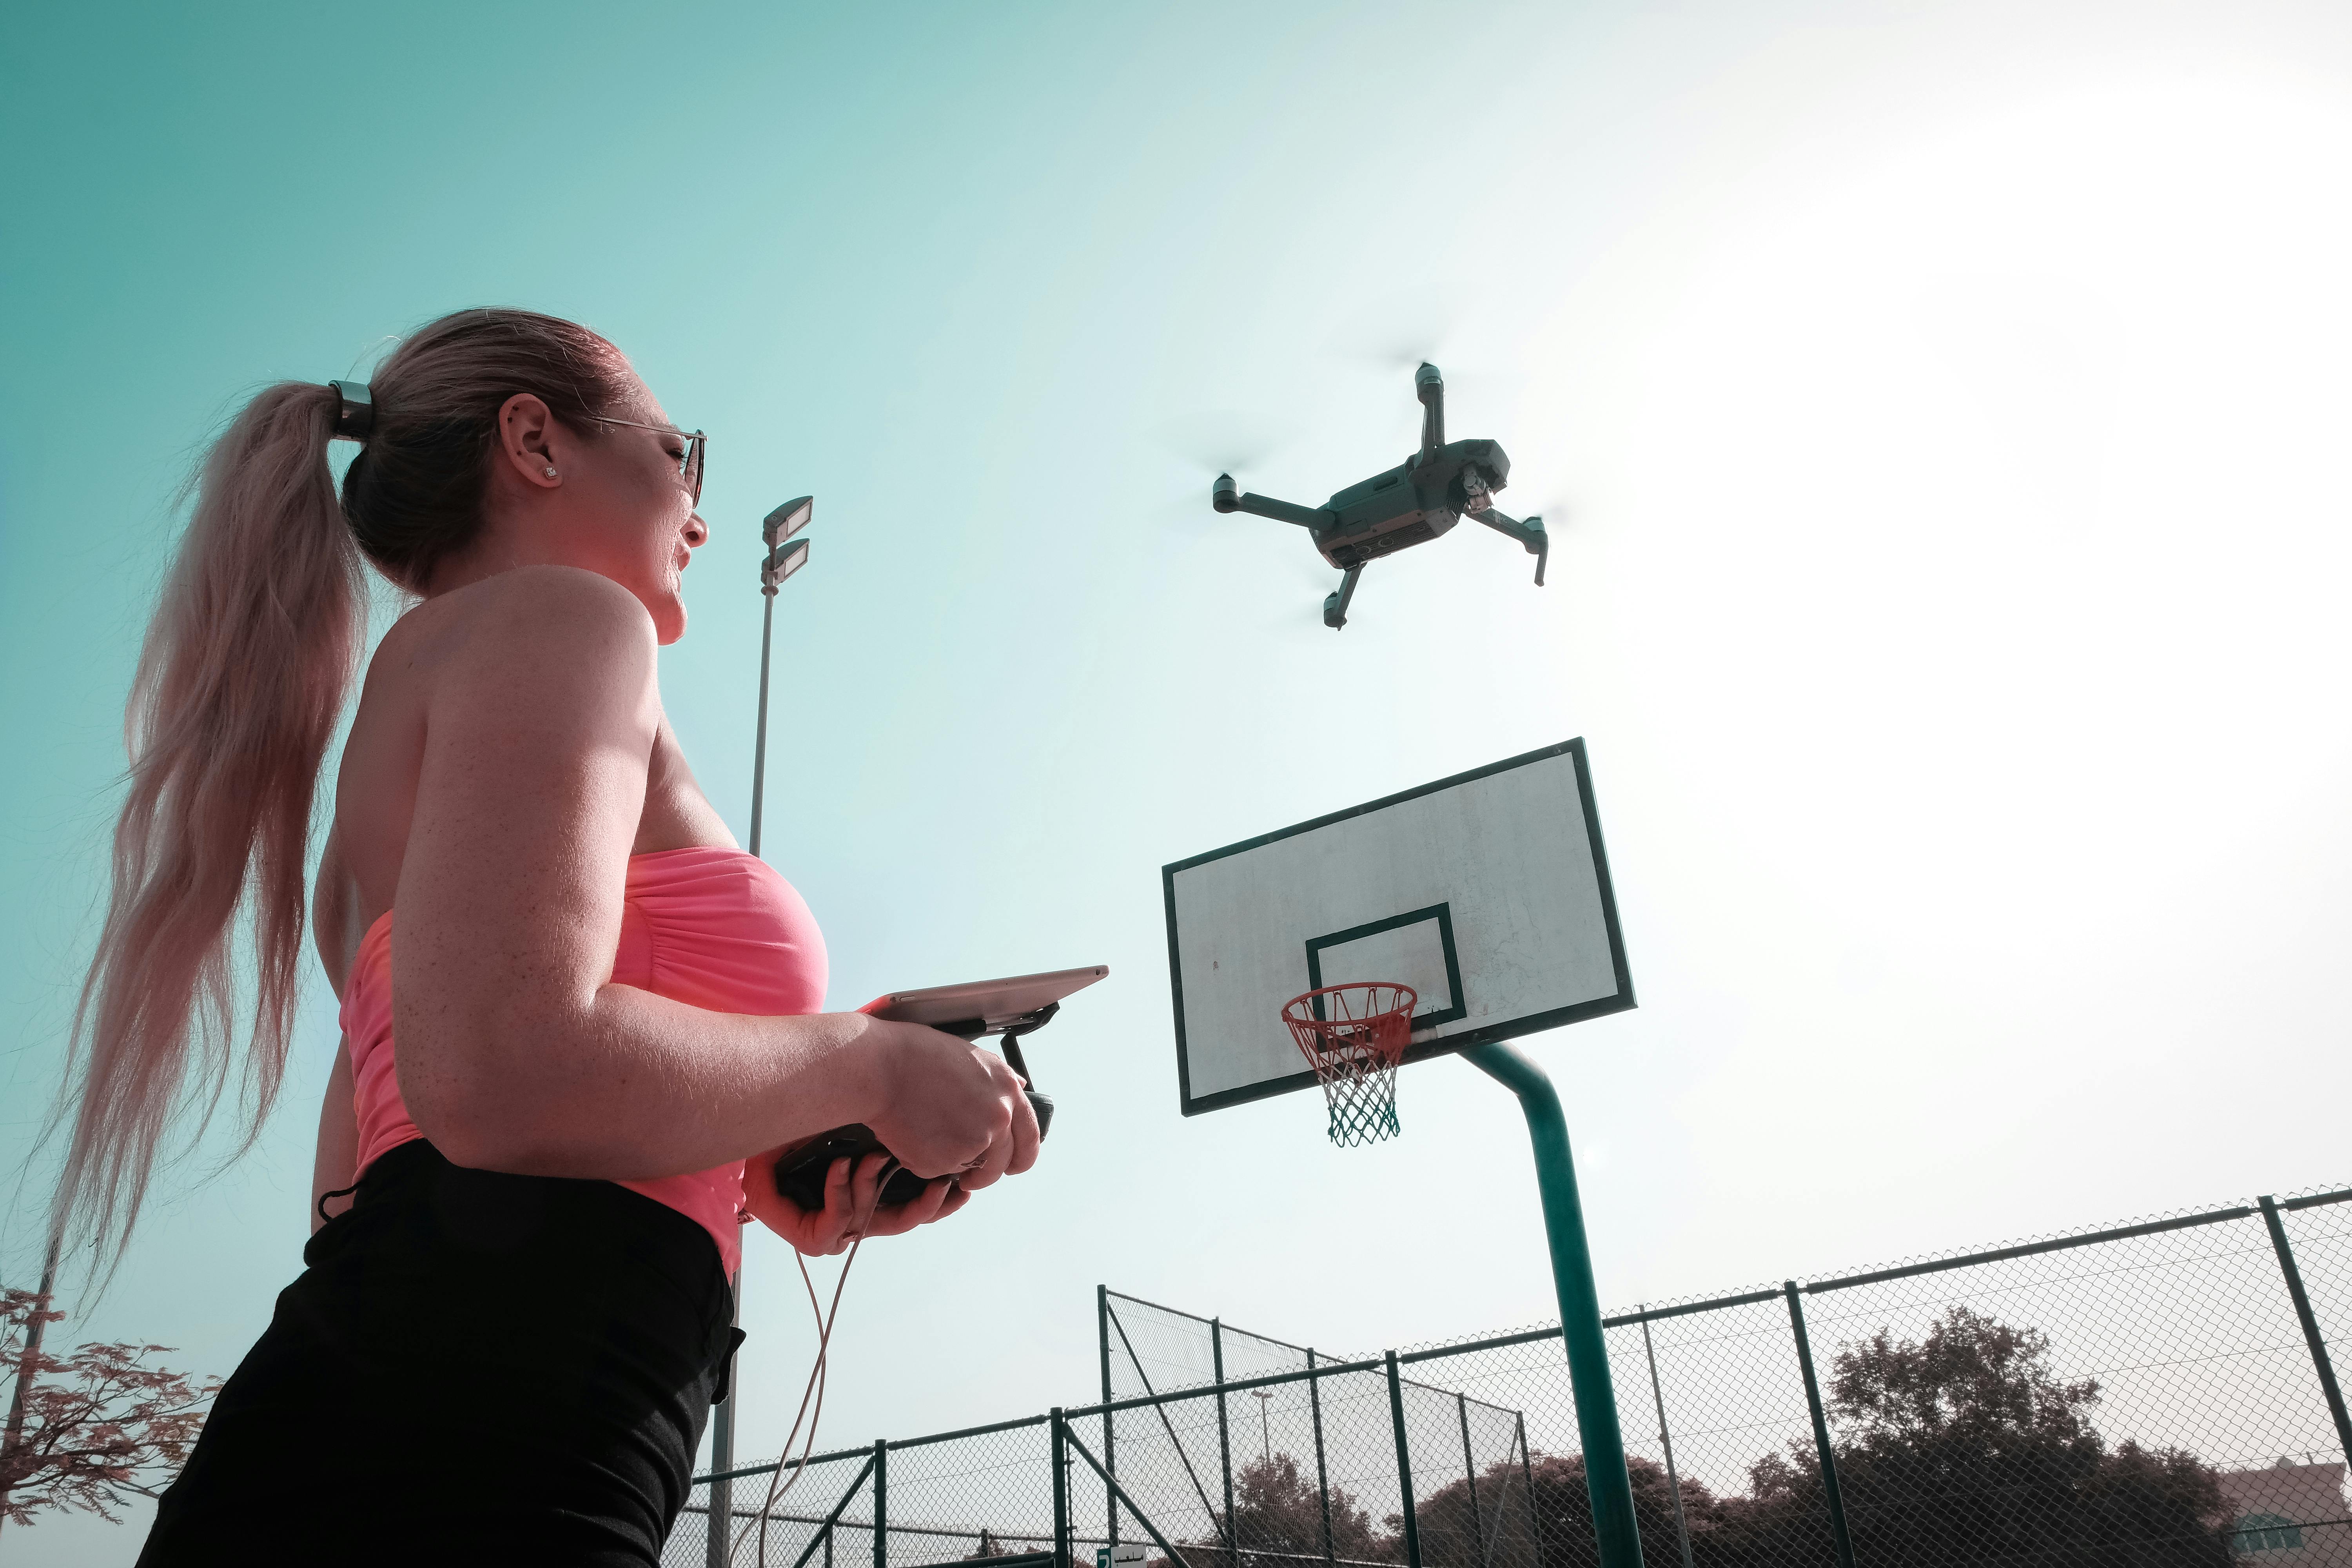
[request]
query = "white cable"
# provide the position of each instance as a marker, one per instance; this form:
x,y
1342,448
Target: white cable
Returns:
x,y
818,1376
777,1486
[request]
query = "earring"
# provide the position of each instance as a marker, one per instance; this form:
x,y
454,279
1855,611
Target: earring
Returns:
x,y
549,470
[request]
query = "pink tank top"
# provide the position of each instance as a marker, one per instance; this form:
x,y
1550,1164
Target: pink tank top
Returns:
x,y
712,928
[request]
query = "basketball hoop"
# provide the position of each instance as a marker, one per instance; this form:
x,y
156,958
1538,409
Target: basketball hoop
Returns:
x,y
1355,1036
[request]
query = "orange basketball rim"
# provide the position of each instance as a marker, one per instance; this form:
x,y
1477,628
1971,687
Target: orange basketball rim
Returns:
x,y
1354,1036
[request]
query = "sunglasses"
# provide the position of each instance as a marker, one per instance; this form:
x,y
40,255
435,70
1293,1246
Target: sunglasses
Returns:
x,y
690,464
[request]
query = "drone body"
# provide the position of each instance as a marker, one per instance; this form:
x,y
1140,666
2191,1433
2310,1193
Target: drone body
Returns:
x,y
1410,504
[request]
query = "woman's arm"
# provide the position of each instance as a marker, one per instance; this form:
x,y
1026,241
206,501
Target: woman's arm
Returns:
x,y
332,1168
335,918
517,1052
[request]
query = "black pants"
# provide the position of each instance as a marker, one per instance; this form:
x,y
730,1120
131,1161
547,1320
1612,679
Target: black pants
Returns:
x,y
475,1368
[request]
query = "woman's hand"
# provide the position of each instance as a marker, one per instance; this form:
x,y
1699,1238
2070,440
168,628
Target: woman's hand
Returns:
x,y
852,1208
950,1109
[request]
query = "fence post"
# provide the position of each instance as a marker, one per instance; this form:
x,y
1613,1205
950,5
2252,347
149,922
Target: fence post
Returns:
x,y
721,1503
2311,1335
1666,1441
1527,1476
1838,1536
1322,1480
720,1507
1404,1466
881,1504
1470,1469
1061,1494
1109,1437
1224,1442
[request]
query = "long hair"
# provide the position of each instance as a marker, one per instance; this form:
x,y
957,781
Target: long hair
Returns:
x,y
240,683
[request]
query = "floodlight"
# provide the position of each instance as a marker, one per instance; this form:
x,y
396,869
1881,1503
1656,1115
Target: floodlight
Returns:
x,y
782,563
786,521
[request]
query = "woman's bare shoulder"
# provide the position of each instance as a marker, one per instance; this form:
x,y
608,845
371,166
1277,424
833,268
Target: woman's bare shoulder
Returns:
x,y
525,667
534,595
564,609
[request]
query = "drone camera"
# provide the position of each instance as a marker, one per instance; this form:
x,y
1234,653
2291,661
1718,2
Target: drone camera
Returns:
x,y
1227,496
1474,489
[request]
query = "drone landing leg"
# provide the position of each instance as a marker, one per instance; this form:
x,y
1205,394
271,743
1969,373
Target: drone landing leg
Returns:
x,y
1529,534
1335,606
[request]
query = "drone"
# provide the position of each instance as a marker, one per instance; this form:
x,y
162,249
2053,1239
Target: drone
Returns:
x,y
1410,504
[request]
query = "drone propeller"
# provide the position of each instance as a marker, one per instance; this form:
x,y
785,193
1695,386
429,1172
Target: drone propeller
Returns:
x,y
1430,325
1226,440
1212,442
1402,328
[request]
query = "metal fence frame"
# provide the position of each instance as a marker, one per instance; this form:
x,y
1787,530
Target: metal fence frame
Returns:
x,y
1065,1449
1108,1324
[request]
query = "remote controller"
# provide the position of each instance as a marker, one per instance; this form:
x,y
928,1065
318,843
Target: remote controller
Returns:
x,y
801,1174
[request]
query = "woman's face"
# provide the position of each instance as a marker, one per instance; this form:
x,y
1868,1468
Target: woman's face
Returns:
x,y
631,514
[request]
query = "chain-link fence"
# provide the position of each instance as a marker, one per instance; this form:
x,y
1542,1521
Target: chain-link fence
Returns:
x,y
1312,1485
2158,1394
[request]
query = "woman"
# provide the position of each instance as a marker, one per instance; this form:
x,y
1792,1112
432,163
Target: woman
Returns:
x,y
504,1348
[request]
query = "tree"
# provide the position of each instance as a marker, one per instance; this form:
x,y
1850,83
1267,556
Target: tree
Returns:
x,y
1965,1446
1545,1502
991,1545
1276,1511
85,1430
1278,1518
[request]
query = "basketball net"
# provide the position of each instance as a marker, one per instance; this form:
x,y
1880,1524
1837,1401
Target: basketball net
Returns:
x,y
1355,1036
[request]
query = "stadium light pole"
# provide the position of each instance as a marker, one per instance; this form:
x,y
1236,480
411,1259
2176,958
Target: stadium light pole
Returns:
x,y
781,560
1264,1443
1608,1485
779,563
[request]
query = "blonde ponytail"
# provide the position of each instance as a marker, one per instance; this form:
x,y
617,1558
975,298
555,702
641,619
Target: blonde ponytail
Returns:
x,y
239,690
239,687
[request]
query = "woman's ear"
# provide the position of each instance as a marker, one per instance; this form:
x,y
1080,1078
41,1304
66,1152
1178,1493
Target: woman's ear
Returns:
x,y
527,441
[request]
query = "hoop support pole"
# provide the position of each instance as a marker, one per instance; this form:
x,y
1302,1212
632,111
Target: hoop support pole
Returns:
x,y
1607,1484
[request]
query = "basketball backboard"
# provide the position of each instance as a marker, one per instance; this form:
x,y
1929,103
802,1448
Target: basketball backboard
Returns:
x,y
1486,892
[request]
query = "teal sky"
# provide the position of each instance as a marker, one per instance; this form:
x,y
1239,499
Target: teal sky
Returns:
x,y
1937,408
